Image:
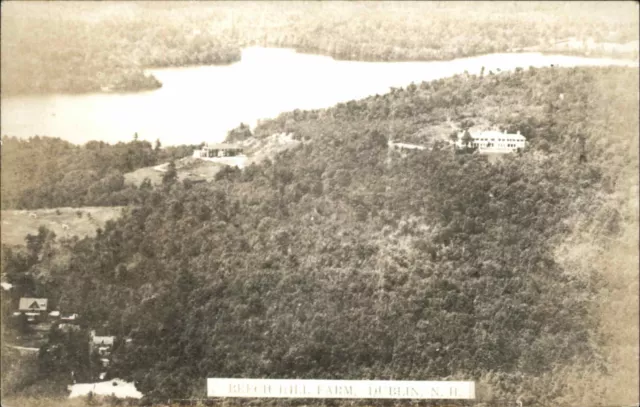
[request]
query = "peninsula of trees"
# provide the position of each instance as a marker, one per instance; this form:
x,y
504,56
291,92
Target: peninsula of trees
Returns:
x,y
58,47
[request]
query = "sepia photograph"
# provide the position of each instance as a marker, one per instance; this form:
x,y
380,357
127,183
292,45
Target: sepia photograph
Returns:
x,y
319,203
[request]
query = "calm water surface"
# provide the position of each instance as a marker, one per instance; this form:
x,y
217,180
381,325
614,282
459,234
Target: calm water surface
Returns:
x,y
202,103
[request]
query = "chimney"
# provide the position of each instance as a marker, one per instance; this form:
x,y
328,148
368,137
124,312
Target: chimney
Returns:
x,y
518,132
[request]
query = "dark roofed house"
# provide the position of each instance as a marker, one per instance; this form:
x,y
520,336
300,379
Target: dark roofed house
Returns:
x,y
33,304
34,308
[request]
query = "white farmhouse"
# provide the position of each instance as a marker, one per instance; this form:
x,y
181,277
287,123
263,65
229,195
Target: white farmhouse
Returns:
x,y
222,153
215,150
493,141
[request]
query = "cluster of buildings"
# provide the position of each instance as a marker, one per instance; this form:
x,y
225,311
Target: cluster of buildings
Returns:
x,y
36,312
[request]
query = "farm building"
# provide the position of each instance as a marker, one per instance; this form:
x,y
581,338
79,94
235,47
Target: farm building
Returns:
x,y
33,308
104,344
218,150
492,141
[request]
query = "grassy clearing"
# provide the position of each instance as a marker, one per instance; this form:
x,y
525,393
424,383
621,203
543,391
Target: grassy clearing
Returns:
x,y
136,177
64,222
187,168
257,149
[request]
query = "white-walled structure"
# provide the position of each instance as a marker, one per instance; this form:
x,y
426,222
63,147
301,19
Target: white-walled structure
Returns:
x,y
221,153
493,141
216,150
115,387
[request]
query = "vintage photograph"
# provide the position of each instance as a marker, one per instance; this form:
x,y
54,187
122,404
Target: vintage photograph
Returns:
x,y
320,203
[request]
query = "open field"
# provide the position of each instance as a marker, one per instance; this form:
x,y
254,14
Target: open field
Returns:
x,y
187,168
136,177
64,222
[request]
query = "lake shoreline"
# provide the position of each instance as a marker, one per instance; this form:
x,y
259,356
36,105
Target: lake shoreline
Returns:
x,y
155,84
202,103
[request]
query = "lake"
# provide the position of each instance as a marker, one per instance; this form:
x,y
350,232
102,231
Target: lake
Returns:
x,y
202,103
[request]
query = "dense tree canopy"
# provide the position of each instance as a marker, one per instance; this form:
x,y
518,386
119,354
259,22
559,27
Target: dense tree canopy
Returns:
x,y
92,51
45,172
343,259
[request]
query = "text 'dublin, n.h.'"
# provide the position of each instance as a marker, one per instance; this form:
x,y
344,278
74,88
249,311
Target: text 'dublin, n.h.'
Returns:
x,y
353,389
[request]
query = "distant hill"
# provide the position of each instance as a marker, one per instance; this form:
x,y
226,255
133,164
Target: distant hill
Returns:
x,y
95,51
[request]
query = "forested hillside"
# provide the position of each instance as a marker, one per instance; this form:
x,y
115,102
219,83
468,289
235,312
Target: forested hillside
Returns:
x,y
74,47
46,172
342,259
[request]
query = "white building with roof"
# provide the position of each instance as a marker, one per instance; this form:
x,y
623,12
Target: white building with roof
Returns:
x,y
32,304
493,141
34,308
102,340
104,344
214,150
222,153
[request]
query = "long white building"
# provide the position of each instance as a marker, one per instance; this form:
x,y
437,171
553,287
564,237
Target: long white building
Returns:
x,y
215,150
493,141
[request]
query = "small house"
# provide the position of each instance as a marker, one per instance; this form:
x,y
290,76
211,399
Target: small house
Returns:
x,y
102,340
33,308
68,327
32,304
104,344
